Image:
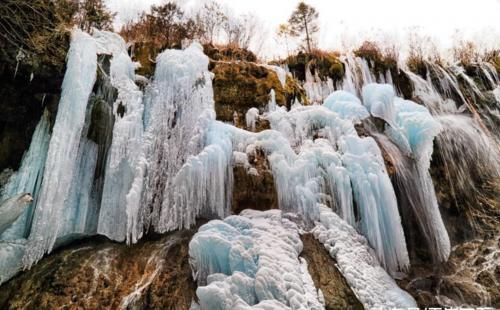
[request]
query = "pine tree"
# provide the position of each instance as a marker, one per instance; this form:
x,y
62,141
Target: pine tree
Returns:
x,y
304,21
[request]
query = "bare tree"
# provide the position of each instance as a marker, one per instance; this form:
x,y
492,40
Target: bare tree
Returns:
x,y
240,31
211,19
285,32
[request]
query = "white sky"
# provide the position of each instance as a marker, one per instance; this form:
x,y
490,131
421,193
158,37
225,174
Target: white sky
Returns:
x,y
357,20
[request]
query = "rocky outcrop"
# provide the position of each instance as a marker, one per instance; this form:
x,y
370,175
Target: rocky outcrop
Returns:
x,y
326,276
239,86
25,92
99,274
470,278
254,186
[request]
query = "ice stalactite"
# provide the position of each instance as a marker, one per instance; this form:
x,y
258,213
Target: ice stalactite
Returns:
x,y
181,110
251,261
369,281
28,179
123,162
61,166
374,195
280,73
316,89
315,156
358,74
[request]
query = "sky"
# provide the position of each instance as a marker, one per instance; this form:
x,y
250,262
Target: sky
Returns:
x,y
349,22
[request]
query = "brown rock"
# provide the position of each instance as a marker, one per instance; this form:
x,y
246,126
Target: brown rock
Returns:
x,y
326,276
99,274
254,191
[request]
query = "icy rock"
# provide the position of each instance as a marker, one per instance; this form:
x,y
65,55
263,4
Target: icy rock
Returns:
x,y
251,262
370,282
61,165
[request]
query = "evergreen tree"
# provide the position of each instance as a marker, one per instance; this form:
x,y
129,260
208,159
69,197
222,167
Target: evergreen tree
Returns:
x,y
304,22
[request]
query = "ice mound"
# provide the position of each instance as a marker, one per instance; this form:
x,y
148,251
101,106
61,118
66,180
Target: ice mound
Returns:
x,y
378,99
346,105
251,262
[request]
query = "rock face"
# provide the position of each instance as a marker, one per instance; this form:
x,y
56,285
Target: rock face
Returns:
x,y
98,274
32,68
336,291
254,185
24,94
239,86
471,278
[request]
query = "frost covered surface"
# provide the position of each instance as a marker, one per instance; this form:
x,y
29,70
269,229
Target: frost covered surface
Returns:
x,y
362,270
251,261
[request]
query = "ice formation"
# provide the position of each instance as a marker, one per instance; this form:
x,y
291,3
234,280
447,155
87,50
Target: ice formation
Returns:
x,y
169,162
251,118
280,73
61,165
251,261
369,281
378,99
347,105
123,162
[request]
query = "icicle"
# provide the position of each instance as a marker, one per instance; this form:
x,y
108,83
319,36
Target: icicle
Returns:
x,y
280,73
374,195
271,106
123,163
63,148
181,110
29,178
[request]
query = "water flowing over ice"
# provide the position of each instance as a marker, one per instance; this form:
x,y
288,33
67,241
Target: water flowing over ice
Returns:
x,y
251,261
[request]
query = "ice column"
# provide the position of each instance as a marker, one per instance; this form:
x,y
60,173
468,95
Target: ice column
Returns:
x,y
63,148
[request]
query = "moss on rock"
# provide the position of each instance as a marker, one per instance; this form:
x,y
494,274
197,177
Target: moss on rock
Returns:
x,y
325,64
239,86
